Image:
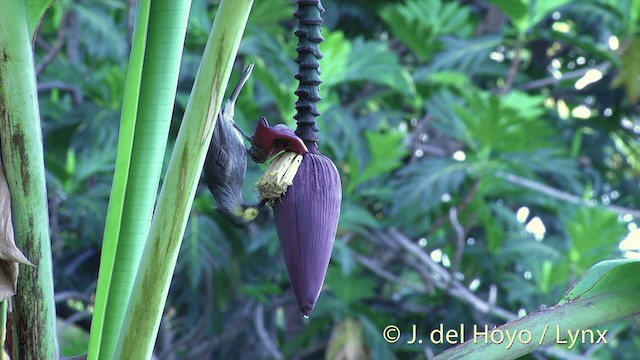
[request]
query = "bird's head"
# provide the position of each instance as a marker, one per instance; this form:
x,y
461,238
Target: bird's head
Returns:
x,y
241,215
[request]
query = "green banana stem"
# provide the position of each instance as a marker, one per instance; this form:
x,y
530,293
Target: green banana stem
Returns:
x,y
34,314
152,283
150,90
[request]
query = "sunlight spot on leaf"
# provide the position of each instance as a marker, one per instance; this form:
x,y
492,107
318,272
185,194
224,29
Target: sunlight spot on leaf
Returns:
x,y
630,246
581,112
563,109
631,255
631,242
279,320
459,155
475,284
446,197
436,255
614,43
445,261
626,123
522,214
589,77
561,26
496,56
537,228
549,102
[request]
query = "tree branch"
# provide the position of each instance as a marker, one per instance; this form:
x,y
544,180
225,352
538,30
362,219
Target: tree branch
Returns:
x,y
57,46
603,67
561,195
444,281
376,268
459,209
513,70
264,337
460,234
452,286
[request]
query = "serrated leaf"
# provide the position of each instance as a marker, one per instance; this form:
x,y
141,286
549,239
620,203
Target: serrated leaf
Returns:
x,y
425,183
354,217
529,106
449,78
441,105
516,11
262,291
386,153
374,62
419,23
539,9
629,73
593,231
604,277
501,124
463,55
525,14
343,255
349,288
274,68
269,15
334,63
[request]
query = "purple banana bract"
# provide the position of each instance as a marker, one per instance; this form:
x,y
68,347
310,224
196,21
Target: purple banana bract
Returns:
x,y
270,140
307,221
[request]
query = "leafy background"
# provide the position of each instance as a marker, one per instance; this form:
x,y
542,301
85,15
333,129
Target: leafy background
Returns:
x,y
488,151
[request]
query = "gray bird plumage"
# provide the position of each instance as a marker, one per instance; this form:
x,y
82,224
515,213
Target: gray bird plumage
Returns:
x,y
225,165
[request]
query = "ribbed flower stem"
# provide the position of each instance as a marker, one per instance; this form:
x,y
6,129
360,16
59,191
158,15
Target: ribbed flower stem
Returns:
x,y
308,33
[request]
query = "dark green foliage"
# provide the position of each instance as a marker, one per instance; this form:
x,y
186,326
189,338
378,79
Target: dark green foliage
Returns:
x,y
420,24
432,128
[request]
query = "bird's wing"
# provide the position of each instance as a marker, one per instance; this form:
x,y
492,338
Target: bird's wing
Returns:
x,y
217,162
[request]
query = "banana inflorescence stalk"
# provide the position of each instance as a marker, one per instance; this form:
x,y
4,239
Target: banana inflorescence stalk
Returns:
x,y
308,33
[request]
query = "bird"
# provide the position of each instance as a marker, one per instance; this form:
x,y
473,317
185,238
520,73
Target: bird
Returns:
x,y
225,164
